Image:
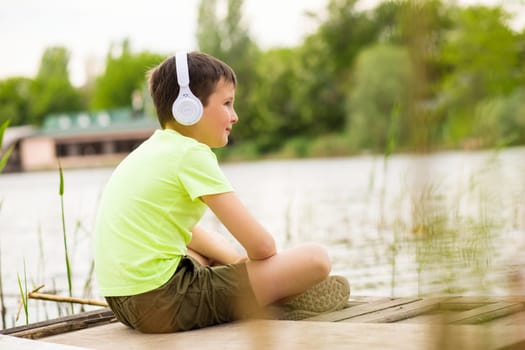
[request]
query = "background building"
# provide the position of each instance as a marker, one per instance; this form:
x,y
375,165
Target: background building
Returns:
x,y
86,139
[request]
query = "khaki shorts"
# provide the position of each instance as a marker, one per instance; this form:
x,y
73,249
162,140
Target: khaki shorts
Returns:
x,y
196,296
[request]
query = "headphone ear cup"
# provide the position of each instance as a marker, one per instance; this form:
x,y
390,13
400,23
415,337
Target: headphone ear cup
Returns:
x,y
187,109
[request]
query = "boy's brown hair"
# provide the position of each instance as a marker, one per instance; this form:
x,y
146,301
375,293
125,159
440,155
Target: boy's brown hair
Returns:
x,y
204,71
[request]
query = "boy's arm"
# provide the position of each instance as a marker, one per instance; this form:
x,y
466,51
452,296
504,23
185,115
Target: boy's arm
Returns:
x,y
213,246
258,243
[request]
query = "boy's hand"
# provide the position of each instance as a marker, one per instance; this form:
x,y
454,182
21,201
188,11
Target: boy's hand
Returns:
x,y
256,241
213,247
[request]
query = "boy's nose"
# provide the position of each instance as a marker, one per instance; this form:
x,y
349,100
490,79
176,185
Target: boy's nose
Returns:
x,y
234,117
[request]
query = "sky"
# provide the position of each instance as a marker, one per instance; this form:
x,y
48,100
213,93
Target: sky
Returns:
x,y
88,27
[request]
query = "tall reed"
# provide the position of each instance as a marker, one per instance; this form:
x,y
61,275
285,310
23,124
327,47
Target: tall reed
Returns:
x,y
66,253
23,293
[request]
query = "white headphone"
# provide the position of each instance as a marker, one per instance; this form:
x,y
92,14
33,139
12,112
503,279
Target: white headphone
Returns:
x,y
187,108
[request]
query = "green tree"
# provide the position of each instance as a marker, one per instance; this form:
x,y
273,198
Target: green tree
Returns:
x,y
15,95
52,91
125,72
271,108
500,120
209,29
482,59
324,68
420,27
383,77
4,157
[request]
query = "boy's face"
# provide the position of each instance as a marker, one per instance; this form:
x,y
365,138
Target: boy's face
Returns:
x,y
218,116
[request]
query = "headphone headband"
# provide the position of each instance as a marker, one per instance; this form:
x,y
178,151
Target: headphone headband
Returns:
x,y
183,75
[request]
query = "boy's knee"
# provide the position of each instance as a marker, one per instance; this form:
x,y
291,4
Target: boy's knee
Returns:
x,y
319,260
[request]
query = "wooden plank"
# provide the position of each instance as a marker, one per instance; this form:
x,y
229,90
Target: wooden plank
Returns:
x,y
430,317
293,335
495,310
510,320
364,299
62,324
492,314
471,302
13,343
359,300
398,313
362,309
485,313
516,346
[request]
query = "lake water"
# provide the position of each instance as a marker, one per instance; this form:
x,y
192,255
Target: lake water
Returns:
x,y
451,222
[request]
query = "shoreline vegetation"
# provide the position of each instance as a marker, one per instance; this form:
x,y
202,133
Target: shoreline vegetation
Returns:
x,y
334,146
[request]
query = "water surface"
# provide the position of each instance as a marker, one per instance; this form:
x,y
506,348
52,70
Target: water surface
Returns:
x,y
452,222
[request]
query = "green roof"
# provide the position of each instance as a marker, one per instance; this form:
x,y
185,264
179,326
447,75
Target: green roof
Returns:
x,y
96,122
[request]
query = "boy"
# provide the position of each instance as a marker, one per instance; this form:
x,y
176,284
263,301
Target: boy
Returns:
x,y
161,272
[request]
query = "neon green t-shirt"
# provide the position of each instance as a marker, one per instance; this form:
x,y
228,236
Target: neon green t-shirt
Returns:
x,y
149,205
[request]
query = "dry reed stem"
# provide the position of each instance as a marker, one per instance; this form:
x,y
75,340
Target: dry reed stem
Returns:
x,y
65,299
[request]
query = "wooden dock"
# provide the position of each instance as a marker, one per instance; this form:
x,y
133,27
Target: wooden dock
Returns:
x,y
366,323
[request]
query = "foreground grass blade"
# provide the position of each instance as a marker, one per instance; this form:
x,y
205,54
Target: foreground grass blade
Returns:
x,y
66,253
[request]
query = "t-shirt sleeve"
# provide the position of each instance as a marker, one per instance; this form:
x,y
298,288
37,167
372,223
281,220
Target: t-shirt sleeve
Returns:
x,y
201,175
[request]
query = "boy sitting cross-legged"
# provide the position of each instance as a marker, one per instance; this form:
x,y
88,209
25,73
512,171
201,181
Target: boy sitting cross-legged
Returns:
x,y
157,268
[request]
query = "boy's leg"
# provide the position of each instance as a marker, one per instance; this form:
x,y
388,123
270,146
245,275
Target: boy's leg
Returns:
x,y
196,296
288,273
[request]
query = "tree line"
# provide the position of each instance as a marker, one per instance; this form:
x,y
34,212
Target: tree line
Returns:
x,y
407,75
